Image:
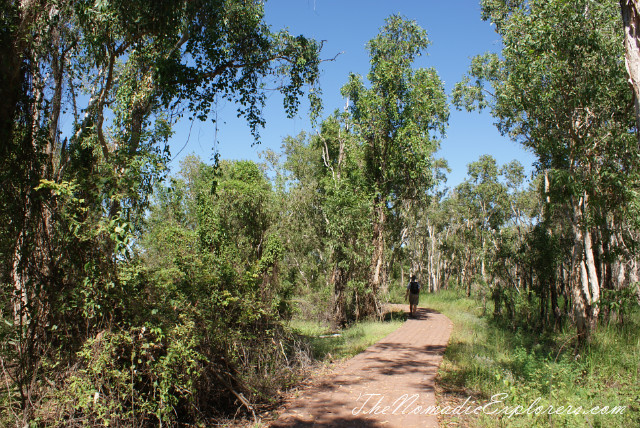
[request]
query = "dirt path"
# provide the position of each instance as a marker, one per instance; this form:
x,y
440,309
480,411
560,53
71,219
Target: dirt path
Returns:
x,y
391,384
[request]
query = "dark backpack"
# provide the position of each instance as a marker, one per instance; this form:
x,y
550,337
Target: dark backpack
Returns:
x,y
414,287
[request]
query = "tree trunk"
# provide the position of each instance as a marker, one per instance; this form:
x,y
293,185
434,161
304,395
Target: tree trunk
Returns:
x,y
369,304
633,277
482,270
585,288
339,279
468,282
555,309
432,274
631,21
19,281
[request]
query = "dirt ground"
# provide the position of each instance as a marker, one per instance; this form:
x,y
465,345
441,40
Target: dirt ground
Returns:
x,y
390,384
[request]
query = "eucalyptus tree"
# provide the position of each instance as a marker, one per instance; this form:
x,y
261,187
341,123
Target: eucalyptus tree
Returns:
x,y
345,206
398,119
90,91
326,216
560,89
301,222
631,21
486,198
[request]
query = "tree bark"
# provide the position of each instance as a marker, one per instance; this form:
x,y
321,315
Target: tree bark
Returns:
x,y
594,284
631,21
585,288
339,279
377,277
433,286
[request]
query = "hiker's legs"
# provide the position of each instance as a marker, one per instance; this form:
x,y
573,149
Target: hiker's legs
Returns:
x,y
413,304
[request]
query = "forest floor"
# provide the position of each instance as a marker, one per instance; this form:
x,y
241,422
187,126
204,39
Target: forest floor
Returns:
x,y
390,384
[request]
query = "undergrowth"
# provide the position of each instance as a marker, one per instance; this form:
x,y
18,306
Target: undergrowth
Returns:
x,y
327,344
535,370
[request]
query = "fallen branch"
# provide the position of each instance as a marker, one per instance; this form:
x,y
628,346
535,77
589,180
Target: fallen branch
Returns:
x,y
238,395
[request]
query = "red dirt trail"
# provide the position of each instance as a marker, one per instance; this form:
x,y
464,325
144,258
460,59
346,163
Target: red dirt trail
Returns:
x,y
391,384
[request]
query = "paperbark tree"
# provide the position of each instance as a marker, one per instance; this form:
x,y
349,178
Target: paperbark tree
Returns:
x,y
560,90
398,119
631,21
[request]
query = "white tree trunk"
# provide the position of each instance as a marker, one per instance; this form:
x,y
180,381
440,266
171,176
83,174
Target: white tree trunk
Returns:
x,y
585,285
631,20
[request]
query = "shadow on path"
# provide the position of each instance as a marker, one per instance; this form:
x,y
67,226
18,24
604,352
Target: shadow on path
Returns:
x,y
390,384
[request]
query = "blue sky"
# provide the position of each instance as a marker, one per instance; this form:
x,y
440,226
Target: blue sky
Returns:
x,y
456,33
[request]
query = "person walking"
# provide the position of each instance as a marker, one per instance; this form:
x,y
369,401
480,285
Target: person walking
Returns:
x,y
413,294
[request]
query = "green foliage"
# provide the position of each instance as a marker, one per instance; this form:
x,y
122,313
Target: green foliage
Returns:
x,y
400,115
560,88
621,302
212,256
326,200
203,324
120,75
138,377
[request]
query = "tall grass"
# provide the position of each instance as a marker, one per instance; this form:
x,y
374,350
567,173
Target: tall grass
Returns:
x,y
327,344
484,358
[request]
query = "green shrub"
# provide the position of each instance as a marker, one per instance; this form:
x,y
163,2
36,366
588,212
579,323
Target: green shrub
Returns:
x,y
136,377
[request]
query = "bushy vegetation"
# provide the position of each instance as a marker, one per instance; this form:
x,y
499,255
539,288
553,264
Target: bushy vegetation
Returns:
x,y
118,305
135,297
487,357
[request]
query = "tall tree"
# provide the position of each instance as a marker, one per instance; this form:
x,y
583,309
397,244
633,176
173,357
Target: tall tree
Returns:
x,y
631,21
119,73
560,90
486,197
328,222
398,119
346,210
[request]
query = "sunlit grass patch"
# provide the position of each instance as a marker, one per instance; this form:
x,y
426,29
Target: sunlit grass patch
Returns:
x,y
484,358
328,344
